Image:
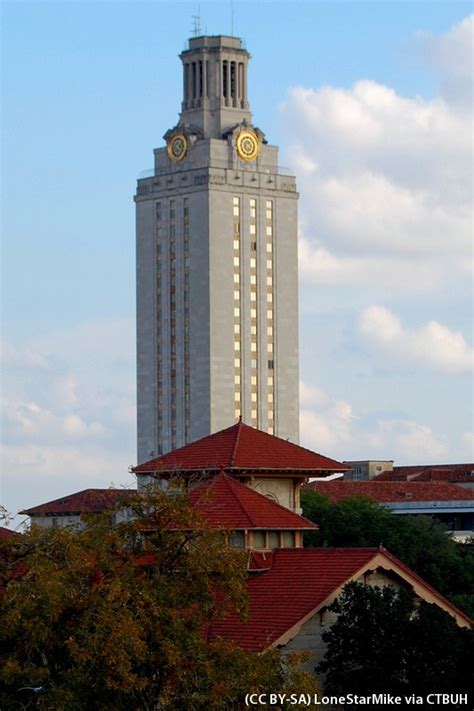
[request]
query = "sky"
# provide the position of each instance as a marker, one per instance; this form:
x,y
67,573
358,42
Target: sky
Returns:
x,y
371,105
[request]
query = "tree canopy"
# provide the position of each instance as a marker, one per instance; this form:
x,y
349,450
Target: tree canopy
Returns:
x,y
420,542
382,641
115,616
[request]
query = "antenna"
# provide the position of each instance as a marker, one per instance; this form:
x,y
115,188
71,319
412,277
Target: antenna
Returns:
x,y
196,28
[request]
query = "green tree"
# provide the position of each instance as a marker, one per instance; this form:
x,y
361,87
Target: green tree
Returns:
x,y
115,616
383,642
420,542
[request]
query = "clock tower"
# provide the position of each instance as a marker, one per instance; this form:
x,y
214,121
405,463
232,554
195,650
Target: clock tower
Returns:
x,y
217,289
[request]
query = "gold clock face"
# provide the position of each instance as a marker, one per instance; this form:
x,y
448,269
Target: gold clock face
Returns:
x,y
177,147
248,145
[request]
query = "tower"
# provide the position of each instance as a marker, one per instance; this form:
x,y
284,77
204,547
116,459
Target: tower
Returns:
x,y
217,291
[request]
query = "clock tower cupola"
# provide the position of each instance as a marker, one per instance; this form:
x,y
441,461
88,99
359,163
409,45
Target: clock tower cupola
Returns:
x,y
214,85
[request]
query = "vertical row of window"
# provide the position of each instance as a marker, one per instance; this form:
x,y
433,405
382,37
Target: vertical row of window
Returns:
x,y
187,384
159,329
233,82
172,318
196,80
270,315
237,311
253,314
166,261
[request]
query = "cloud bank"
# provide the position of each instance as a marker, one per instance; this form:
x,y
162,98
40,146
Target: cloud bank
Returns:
x,y
386,180
68,412
335,428
432,345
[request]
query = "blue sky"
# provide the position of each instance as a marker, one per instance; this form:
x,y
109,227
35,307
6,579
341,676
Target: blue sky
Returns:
x,y
370,105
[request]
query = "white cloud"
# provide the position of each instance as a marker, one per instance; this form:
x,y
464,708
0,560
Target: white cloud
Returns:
x,y
413,441
27,422
385,180
320,266
100,343
75,427
433,344
69,415
386,190
468,442
21,358
325,423
66,389
311,396
451,57
332,428
37,473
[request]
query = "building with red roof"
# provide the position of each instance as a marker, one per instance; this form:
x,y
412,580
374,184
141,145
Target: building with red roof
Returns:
x,y
250,519
384,470
291,590
246,483
68,510
256,522
460,474
270,465
449,503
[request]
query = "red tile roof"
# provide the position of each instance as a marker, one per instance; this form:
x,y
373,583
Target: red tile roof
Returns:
x,y
298,581
461,473
228,504
392,491
87,501
223,501
241,447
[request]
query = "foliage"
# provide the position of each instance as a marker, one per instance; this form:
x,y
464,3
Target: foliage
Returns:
x,y
420,542
382,642
114,617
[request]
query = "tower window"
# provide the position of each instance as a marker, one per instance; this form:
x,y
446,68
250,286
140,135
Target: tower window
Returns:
x,y
224,79
194,80
232,80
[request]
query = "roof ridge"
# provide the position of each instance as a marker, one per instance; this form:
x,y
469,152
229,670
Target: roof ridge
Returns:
x,y
230,481
236,443
421,580
425,466
270,501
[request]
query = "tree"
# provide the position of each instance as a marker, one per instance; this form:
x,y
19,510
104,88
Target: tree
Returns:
x,y
383,642
115,617
420,542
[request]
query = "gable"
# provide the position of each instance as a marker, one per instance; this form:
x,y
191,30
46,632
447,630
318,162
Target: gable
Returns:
x,y
299,583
